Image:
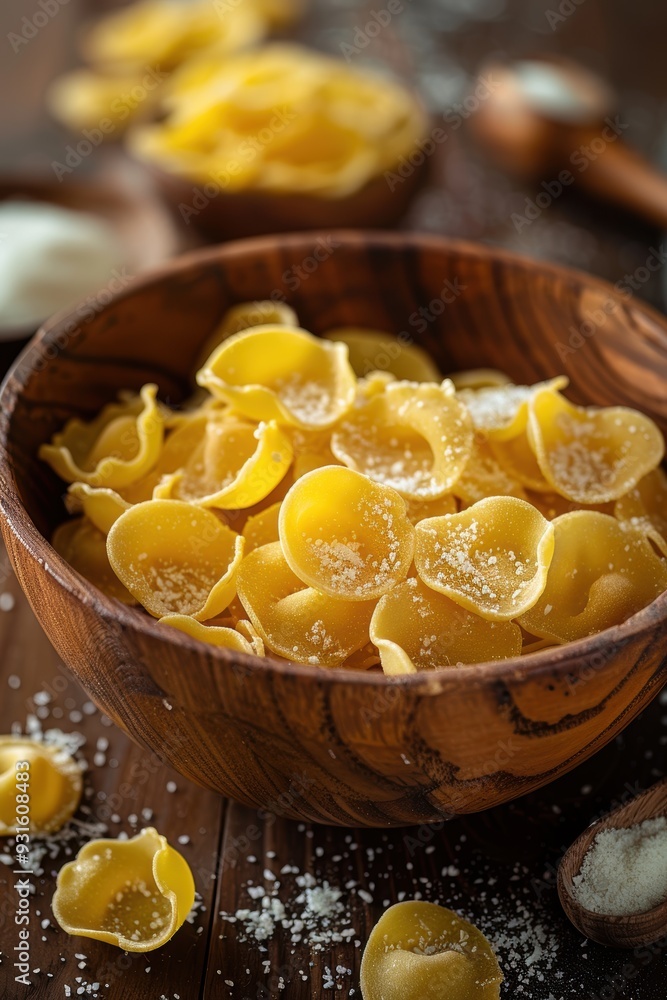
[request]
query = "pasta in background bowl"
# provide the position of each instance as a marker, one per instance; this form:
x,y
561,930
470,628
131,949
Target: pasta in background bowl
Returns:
x,y
366,748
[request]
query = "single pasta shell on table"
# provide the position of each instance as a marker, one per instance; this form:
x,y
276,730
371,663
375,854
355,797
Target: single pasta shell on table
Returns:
x,y
500,412
591,455
345,535
416,628
134,893
484,476
84,547
261,312
421,951
645,508
215,635
415,437
236,464
176,558
294,620
602,572
284,374
48,777
262,528
115,449
491,558
376,350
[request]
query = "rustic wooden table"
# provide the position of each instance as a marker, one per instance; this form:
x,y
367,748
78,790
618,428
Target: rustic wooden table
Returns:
x,y
498,868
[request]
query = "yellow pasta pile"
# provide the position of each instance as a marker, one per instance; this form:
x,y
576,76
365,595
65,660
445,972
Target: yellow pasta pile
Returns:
x,y
133,51
339,514
281,118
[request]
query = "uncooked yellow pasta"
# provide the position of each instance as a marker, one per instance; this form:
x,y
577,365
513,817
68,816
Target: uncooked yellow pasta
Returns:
x,y
484,476
645,508
84,547
601,573
262,528
284,374
421,951
113,450
491,558
296,508
40,787
416,628
262,312
313,124
415,437
216,635
176,558
236,464
134,893
376,350
591,455
296,621
500,412
346,535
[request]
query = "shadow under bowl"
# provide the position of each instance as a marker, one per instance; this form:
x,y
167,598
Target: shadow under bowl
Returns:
x,y
329,745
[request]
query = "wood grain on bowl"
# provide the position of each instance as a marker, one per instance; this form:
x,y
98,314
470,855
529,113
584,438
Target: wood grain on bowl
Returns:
x,y
331,745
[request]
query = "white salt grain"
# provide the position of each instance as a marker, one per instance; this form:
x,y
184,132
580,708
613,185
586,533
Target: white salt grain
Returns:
x,y
624,871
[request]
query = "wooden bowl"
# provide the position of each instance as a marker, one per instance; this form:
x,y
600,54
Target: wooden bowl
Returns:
x,y
632,931
219,215
329,745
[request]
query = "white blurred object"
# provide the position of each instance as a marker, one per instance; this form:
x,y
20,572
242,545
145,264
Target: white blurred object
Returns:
x,y
50,257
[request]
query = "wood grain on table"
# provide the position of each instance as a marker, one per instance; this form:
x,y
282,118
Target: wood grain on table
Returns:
x,y
497,868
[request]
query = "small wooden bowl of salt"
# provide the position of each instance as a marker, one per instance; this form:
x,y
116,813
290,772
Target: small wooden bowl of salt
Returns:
x,y
612,881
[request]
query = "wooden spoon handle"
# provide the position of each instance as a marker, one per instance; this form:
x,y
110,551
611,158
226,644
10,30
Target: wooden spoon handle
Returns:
x,y
621,175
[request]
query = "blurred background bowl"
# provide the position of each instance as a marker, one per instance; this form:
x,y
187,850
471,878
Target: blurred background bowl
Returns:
x,y
329,745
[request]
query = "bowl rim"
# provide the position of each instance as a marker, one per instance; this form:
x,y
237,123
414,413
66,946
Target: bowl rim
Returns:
x,y
552,661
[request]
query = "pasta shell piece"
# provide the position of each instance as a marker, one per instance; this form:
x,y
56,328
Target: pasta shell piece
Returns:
x,y
261,312
591,455
215,635
284,374
48,777
296,621
420,509
645,508
249,632
421,951
416,628
236,465
373,384
553,504
602,572
345,535
134,893
479,378
102,507
377,350
84,547
363,659
416,438
484,476
118,447
176,558
517,458
491,558
262,528
500,412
